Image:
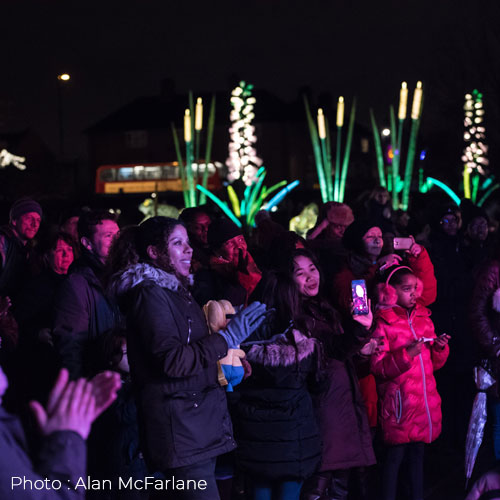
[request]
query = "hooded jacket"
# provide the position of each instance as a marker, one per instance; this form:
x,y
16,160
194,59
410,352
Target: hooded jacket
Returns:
x,y
484,315
409,404
182,409
274,421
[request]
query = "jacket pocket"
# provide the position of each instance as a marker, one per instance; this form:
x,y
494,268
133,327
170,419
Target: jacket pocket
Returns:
x,y
198,421
397,404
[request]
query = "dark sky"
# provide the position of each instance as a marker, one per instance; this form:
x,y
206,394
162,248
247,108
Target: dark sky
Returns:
x,y
117,51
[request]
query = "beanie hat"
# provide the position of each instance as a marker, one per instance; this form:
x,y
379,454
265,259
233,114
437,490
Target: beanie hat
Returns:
x,y
220,231
353,236
24,206
338,213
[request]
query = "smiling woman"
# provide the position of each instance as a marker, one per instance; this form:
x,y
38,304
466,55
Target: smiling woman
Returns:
x,y
181,407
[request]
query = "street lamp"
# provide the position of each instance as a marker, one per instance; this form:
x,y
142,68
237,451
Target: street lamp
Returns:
x,y
61,80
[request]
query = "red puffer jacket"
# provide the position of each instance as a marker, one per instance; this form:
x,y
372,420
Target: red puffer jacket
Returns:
x,y
409,404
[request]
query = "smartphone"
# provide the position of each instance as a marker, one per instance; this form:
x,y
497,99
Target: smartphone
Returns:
x,y
359,297
402,243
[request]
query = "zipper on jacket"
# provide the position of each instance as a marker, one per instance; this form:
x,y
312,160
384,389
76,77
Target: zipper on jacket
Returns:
x,y
399,406
423,380
189,329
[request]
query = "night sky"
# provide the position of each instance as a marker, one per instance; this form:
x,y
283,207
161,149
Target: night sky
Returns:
x,y
118,51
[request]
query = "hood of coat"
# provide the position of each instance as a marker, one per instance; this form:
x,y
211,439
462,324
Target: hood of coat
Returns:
x,y
125,280
281,351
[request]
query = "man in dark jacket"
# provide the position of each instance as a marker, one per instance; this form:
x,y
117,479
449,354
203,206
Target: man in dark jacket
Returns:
x,y
24,221
82,310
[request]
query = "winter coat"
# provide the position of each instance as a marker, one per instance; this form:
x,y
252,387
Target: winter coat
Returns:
x,y
484,315
340,408
182,409
14,267
274,422
358,267
225,281
83,312
62,457
449,312
409,404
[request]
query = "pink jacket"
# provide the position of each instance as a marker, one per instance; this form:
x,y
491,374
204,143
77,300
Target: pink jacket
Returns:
x,y
409,404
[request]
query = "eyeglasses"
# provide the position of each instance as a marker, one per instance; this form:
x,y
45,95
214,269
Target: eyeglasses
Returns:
x,y
448,221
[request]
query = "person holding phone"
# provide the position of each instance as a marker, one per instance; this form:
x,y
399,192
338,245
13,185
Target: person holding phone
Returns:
x,y
409,404
341,413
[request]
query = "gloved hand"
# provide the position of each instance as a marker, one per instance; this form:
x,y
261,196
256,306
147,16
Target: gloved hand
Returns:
x,y
234,375
244,324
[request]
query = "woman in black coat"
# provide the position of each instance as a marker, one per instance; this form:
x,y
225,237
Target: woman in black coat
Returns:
x,y
275,426
183,419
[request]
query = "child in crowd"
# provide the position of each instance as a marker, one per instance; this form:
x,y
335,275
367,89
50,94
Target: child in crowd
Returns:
x,y
409,404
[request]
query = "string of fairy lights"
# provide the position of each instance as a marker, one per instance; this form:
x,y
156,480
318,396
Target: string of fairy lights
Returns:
x,y
475,151
243,161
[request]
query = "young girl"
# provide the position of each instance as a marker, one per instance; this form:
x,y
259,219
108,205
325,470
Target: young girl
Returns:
x,y
409,405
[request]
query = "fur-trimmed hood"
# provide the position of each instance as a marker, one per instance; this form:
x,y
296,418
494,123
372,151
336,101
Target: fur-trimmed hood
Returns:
x,y
125,280
280,351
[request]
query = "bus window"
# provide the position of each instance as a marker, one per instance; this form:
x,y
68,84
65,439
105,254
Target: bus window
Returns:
x,y
125,174
170,172
139,172
107,175
152,173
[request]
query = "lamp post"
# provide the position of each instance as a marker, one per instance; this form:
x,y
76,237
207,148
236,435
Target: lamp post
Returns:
x,y
61,80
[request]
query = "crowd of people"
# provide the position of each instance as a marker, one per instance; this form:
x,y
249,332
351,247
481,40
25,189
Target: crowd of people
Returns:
x,y
241,362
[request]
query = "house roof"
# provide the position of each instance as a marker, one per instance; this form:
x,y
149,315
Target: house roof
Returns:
x,y
156,112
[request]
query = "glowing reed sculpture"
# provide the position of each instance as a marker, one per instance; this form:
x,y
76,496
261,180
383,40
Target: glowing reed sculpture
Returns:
x,y
192,139
320,138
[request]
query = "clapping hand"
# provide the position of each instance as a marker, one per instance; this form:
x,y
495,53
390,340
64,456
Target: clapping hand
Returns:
x,y
73,406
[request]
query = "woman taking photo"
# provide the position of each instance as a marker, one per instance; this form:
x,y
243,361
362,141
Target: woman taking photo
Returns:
x,y
183,417
341,413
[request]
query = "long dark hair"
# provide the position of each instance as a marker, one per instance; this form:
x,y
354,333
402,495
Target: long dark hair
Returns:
x,y
281,293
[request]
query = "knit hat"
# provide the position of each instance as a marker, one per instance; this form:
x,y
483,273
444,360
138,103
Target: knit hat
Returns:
x,y
24,206
353,236
220,231
338,213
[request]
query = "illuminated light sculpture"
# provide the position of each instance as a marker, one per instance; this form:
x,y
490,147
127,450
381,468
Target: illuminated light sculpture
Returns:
x,y
7,158
243,161
320,138
192,140
389,177
254,197
475,152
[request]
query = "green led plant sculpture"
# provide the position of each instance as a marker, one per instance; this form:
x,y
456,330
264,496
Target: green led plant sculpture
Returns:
x,y
254,199
320,138
192,140
390,176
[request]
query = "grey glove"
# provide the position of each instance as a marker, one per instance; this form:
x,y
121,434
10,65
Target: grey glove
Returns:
x,y
244,324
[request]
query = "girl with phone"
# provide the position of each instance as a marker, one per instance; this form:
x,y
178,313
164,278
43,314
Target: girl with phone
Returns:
x,y
409,404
